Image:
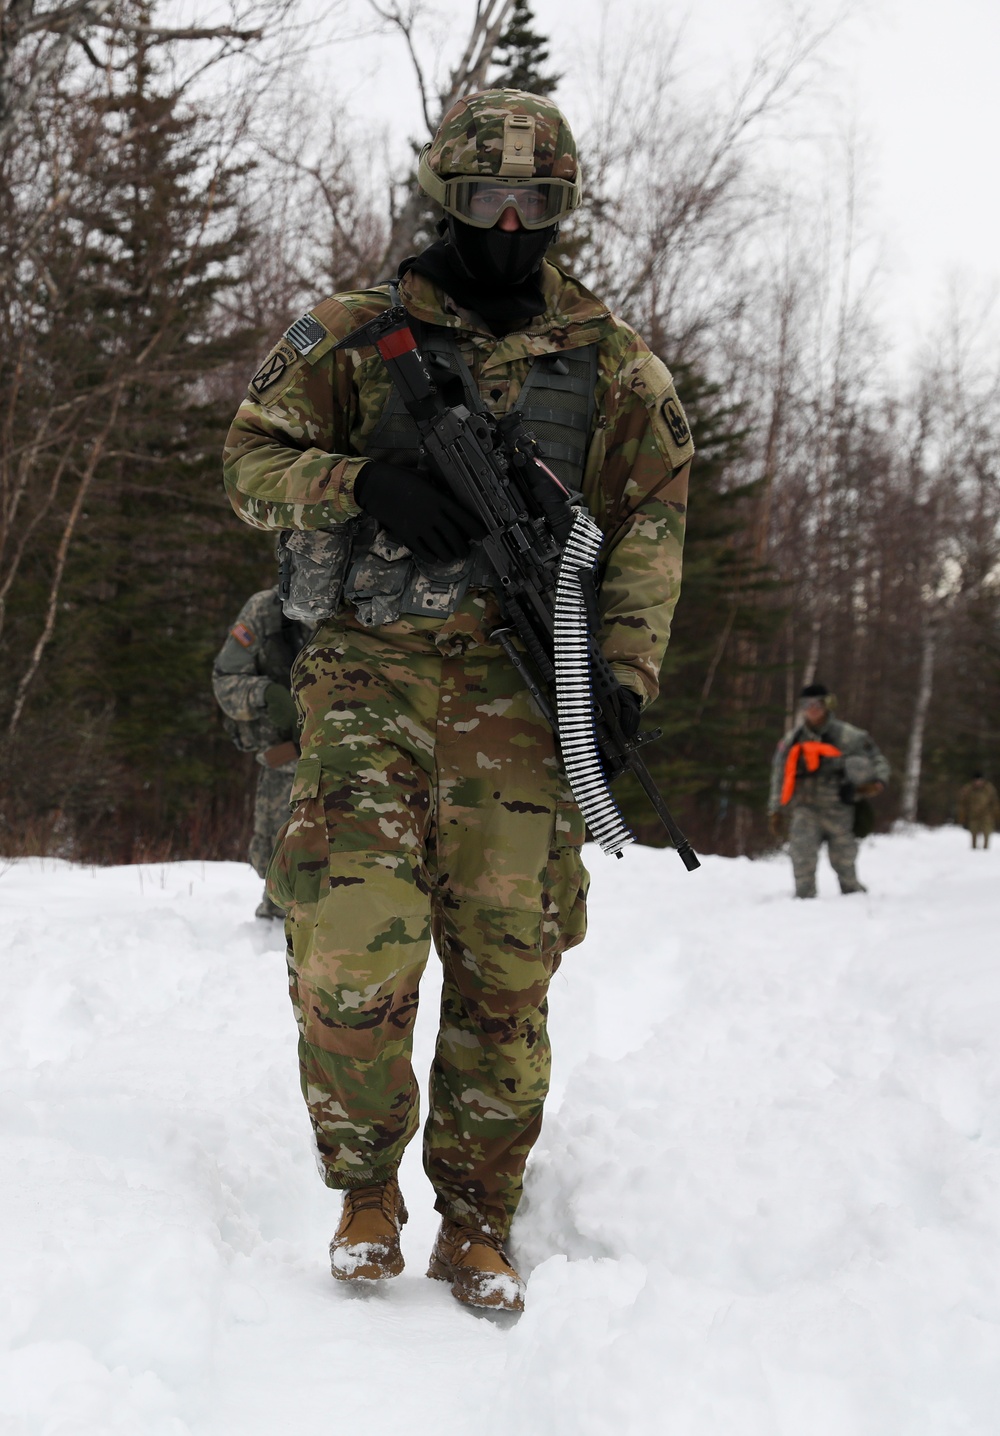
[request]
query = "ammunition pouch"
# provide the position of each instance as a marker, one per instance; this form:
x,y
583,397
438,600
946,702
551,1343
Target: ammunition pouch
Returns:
x,y
313,564
386,580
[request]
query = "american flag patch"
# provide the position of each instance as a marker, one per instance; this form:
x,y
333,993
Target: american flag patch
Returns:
x,y
305,334
243,635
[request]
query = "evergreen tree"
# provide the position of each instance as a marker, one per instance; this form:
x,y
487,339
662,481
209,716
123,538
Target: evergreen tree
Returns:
x,y
158,566
522,55
712,762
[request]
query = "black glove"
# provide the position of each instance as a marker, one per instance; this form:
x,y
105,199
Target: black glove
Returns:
x,y
281,709
778,824
627,706
415,512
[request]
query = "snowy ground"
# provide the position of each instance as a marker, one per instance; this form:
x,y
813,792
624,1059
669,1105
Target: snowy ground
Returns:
x,y
766,1201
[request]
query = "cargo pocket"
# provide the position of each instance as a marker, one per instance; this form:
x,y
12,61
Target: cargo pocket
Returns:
x,y
301,851
564,891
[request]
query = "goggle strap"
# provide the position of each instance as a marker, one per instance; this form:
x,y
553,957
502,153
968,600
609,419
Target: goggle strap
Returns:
x,y
433,185
430,182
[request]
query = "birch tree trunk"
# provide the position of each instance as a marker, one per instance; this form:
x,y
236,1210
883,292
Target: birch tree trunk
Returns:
x,y
915,746
62,554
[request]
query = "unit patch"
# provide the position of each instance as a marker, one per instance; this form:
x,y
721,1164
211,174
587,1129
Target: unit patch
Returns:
x,y
243,635
676,422
274,367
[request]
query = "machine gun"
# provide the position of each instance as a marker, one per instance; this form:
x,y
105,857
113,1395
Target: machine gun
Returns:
x,y
542,549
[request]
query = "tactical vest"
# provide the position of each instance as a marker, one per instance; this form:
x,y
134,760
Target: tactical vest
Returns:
x,y
557,404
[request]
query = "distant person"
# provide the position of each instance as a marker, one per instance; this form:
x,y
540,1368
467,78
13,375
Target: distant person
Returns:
x,y
979,809
822,770
251,682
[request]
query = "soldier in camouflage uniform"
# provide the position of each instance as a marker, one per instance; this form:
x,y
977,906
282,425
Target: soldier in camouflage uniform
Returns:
x,y
979,809
429,802
820,770
251,682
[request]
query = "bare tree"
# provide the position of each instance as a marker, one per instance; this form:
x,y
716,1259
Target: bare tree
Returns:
x,y
37,41
489,21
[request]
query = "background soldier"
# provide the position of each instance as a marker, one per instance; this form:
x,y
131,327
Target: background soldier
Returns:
x,y
429,796
251,682
979,809
820,770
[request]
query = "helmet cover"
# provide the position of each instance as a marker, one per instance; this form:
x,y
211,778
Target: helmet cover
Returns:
x,y
502,140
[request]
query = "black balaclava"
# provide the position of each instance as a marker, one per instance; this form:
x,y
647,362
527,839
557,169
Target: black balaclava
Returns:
x,y
500,258
491,271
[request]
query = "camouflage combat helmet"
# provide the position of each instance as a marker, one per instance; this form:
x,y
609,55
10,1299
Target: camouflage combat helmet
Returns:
x,y
499,148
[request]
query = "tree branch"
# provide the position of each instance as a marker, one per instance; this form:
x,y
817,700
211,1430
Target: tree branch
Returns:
x,y
62,553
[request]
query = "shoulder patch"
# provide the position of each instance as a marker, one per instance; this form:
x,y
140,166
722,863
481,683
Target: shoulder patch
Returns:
x,y
242,634
305,334
274,367
676,422
652,381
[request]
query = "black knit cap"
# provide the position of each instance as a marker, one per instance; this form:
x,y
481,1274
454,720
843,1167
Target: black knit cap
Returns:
x,y
815,690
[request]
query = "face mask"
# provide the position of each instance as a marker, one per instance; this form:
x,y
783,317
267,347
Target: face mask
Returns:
x,y
496,258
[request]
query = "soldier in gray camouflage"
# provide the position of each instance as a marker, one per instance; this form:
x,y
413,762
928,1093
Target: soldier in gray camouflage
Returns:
x,y
821,770
251,683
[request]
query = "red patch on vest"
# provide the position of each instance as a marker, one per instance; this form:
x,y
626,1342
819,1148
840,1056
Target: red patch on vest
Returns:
x,y
243,635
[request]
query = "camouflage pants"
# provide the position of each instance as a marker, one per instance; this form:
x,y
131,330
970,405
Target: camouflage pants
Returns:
x,y
270,811
429,802
981,830
819,819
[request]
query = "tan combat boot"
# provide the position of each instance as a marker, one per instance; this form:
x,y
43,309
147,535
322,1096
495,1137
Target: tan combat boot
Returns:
x,y
477,1267
366,1247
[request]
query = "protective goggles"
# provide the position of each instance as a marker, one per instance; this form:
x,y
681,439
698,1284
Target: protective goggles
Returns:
x,y
481,202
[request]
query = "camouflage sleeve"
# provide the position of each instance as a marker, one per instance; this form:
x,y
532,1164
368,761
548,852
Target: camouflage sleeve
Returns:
x,y
287,461
237,682
640,463
879,761
239,698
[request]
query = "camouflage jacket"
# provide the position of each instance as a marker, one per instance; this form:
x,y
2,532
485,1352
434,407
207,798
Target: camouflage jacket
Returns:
x,y
824,784
259,650
978,805
298,441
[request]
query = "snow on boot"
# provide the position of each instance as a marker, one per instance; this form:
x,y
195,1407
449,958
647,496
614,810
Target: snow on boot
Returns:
x,y
366,1247
475,1263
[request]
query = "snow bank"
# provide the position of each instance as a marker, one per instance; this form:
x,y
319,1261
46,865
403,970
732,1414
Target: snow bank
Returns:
x,y
780,1208
764,1200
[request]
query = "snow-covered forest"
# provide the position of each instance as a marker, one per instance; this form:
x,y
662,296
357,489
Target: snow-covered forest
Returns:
x,y
172,196
764,1200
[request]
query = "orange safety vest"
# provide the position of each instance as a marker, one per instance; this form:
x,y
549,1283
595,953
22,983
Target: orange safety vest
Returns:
x,y
812,750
